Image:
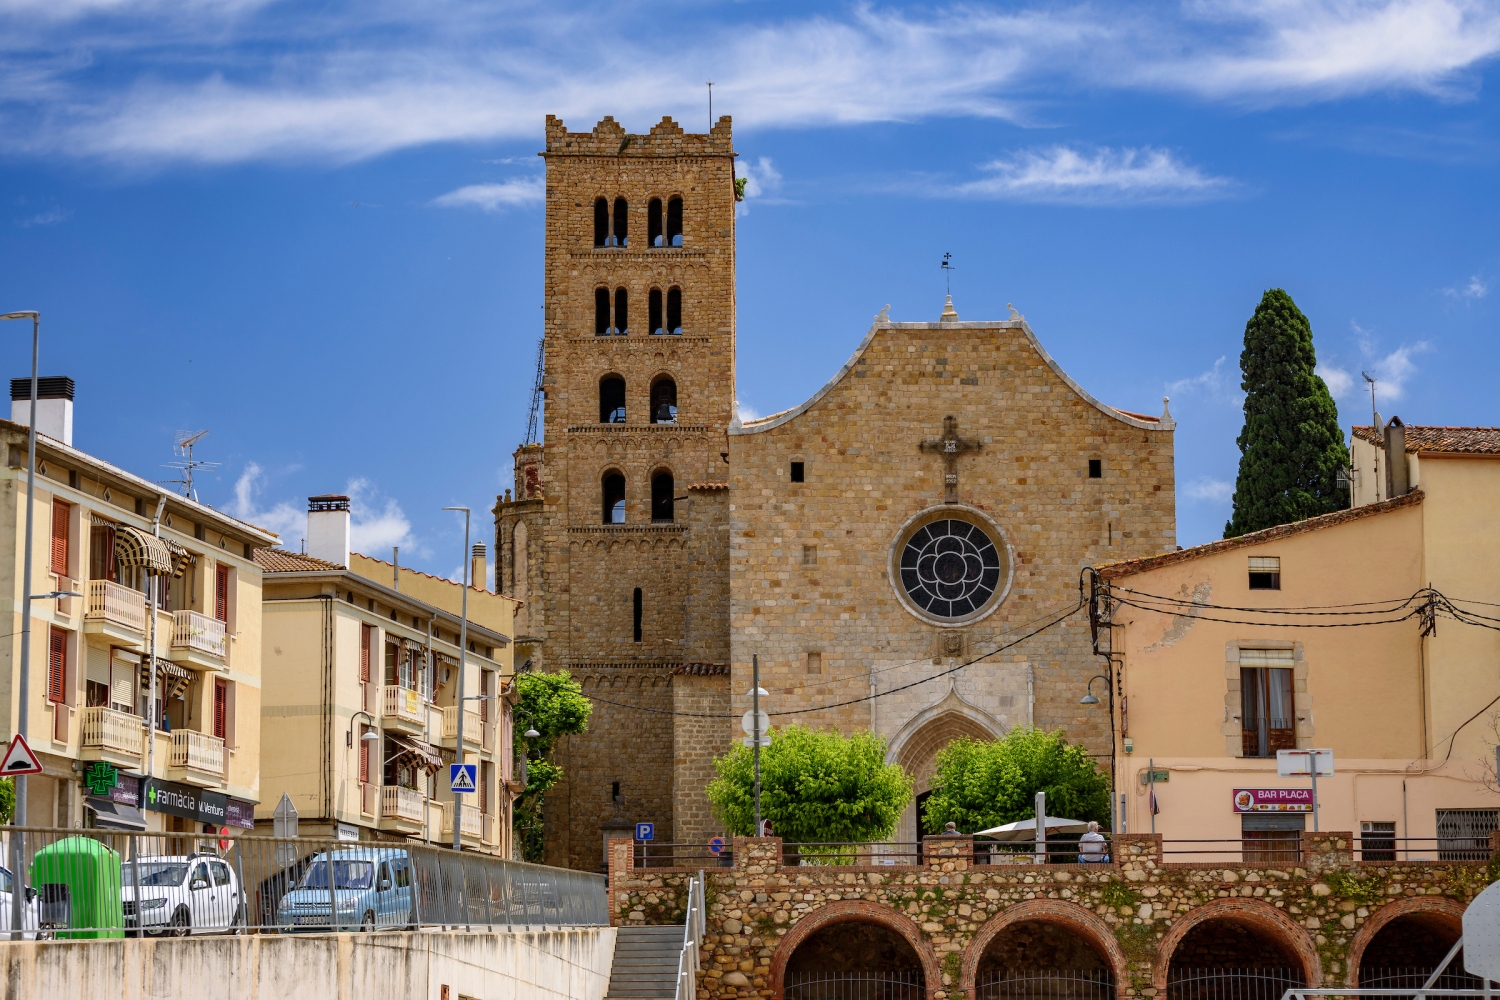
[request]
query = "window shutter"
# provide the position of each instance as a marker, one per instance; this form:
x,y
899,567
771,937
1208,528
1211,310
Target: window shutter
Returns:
x,y
221,593
57,666
364,653
1267,658
61,515
221,709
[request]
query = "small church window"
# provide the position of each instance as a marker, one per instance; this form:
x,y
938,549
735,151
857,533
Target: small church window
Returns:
x,y
622,312
614,498
674,311
674,222
601,223
809,555
1096,468
664,401
654,313
601,313
638,614
799,472
815,663
661,498
653,223
621,234
611,400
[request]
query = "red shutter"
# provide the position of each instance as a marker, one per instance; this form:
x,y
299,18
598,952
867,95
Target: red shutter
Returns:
x,y
61,515
364,757
221,709
57,666
221,593
364,653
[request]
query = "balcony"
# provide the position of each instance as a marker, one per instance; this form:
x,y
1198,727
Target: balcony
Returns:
x,y
117,737
197,640
115,612
473,821
401,808
473,726
401,708
197,758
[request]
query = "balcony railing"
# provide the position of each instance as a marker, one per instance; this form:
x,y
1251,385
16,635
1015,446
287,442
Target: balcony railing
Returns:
x,y
473,724
190,630
117,732
197,751
473,821
1263,737
402,703
397,802
112,602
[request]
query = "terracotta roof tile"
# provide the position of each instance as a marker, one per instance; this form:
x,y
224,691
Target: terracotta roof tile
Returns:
x,y
282,561
1451,440
1130,567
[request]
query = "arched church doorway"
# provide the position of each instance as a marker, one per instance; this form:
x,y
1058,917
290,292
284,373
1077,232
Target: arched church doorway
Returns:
x,y
917,752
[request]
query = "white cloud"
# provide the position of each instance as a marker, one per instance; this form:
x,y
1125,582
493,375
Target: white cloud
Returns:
x,y
747,414
513,193
1217,490
1219,384
762,180
1477,288
50,217
1339,381
1063,174
283,518
1392,370
377,522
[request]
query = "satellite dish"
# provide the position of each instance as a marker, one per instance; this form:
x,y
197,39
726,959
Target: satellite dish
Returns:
x,y
1482,934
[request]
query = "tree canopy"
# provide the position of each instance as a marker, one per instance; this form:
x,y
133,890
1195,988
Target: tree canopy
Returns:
x,y
553,705
817,786
1291,447
981,784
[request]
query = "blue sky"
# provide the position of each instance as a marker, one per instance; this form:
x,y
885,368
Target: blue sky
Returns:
x,y
316,230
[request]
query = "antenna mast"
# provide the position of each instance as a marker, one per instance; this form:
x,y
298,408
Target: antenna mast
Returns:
x,y
188,464
532,428
1374,414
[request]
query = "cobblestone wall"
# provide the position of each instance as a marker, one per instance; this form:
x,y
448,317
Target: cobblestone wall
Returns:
x,y
1322,912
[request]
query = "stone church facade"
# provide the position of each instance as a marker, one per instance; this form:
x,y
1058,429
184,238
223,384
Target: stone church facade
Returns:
x,y
934,502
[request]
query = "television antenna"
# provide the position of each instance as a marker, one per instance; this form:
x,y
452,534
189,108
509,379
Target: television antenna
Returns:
x,y
187,464
948,270
1374,414
536,392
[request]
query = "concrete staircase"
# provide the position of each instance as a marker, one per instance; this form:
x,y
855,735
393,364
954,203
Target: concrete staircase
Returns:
x,y
645,963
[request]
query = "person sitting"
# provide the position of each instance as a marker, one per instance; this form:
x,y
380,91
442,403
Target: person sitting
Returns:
x,y
1092,849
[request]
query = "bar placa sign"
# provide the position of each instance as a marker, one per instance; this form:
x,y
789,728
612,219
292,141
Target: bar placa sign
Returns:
x,y
1251,800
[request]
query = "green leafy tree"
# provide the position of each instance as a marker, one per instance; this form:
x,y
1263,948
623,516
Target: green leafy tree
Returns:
x,y
7,799
553,705
817,786
983,783
1291,447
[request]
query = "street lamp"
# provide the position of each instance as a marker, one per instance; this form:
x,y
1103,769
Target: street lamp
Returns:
x,y
18,898
1089,698
463,656
372,735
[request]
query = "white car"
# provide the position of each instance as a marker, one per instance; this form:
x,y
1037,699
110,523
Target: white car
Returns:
x,y
191,894
29,921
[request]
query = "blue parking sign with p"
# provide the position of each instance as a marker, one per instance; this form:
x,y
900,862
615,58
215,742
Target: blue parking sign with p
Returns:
x,y
462,777
645,831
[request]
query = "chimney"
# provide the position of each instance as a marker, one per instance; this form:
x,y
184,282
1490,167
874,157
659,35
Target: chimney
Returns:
x,y
1395,459
479,568
54,406
328,528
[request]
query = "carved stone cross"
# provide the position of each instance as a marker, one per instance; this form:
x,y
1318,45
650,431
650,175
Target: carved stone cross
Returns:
x,y
950,446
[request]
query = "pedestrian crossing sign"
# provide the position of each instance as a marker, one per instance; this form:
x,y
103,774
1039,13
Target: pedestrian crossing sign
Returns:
x,y
461,777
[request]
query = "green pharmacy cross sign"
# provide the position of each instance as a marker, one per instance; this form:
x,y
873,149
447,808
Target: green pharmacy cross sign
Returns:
x,y
101,776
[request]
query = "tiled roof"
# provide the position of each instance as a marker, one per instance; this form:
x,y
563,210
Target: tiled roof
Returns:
x,y
1139,416
1450,440
430,576
1130,567
282,561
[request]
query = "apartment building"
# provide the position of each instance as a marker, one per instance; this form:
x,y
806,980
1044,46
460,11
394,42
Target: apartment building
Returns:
x,y
166,631
1369,631
361,716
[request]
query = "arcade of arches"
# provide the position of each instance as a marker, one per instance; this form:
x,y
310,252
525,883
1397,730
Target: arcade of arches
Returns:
x,y
950,928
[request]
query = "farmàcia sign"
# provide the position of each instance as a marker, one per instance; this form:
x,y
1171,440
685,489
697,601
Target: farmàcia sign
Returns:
x,y
197,804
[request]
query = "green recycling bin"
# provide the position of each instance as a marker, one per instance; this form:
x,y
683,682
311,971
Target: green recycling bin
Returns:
x,y
78,885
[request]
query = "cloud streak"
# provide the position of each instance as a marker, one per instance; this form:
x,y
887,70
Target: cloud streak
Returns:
x,y
1064,174
516,193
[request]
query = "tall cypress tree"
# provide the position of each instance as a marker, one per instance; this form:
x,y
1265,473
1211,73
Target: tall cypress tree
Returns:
x,y
1291,447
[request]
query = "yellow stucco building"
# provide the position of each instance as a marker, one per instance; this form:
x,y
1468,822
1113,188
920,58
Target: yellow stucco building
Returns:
x,y
356,647
1370,631
129,547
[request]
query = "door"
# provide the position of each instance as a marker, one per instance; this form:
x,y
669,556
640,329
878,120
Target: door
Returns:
x,y
385,892
201,897
401,892
226,895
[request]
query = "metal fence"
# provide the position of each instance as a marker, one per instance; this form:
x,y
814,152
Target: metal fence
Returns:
x,y
904,984
1231,984
97,883
851,853
1044,984
1412,978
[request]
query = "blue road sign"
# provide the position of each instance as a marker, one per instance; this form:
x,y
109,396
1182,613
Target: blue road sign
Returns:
x,y
463,777
645,831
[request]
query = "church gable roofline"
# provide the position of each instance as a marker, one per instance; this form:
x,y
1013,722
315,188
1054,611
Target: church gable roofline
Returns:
x,y
666,138
883,322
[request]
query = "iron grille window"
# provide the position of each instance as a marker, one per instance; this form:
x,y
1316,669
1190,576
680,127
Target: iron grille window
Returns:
x,y
1464,834
1377,842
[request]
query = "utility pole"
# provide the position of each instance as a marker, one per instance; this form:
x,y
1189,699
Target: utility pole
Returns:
x,y
458,695
755,736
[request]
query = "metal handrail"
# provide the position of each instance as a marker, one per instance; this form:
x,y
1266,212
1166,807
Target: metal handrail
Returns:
x,y
692,935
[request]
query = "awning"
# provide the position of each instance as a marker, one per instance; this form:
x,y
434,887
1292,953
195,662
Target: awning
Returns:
x,y
426,755
173,679
181,557
1024,830
112,815
134,547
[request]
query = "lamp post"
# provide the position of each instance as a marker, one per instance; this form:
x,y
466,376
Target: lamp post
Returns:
x,y
1090,698
458,702
18,897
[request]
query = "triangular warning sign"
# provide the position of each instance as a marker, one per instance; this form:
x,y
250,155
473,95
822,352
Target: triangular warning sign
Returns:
x,y
19,759
461,777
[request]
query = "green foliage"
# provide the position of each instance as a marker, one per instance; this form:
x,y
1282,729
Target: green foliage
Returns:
x,y
984,783
1291,447
739,188
553,705
1118,894
1366,891
817,785
953,968
7,799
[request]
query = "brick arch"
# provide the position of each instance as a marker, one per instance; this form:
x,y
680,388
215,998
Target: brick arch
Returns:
x,y
1078,919
1255,913
1439,909
854,911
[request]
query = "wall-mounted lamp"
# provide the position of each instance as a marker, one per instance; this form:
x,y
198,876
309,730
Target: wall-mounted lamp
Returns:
x,y
372,735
